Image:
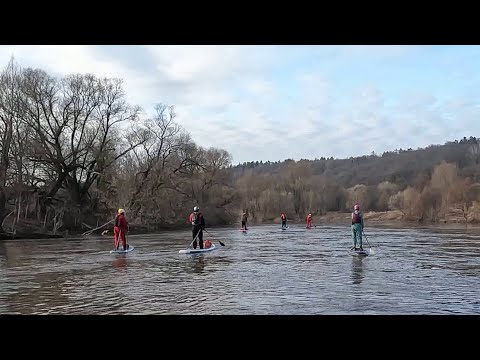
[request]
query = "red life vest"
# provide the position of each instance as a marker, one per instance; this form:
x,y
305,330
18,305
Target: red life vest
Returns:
x,y
284,216
120,221
356,218
195,218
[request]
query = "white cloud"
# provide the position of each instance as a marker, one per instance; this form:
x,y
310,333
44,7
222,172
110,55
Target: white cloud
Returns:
x,y
274,102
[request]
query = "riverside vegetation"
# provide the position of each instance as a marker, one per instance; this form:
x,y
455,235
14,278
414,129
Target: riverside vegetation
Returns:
x,y
73,150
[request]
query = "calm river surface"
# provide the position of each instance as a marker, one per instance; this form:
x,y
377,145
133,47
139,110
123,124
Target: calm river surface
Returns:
x,y
264,271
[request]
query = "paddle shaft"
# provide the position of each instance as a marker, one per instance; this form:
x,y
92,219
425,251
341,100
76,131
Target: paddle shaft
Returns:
x,y
195,238
366,238
221,243
125,233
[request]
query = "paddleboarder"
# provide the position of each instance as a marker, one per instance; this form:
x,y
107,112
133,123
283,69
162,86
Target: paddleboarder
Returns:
x,y
198,225
357,227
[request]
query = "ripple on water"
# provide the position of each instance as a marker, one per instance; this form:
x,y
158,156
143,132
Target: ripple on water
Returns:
x,y
264,271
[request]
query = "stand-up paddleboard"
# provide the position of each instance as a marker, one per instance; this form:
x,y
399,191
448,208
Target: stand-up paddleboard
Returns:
x,y
285,228
243,230
121,251
198,250
359,252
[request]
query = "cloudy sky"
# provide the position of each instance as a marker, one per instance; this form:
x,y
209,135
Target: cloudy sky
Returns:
x,y
279,102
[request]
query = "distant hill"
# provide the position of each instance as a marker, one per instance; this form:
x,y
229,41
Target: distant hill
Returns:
x,y
399,166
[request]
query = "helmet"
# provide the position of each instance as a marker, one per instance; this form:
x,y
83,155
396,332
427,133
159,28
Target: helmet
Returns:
x,y
356,207
121,211
196,208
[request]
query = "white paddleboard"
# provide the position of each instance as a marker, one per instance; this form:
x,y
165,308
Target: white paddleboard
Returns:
x,y
359,252
121,251
197,250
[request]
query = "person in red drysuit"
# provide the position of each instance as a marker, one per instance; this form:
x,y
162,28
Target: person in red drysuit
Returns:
x,y
120,229
309,221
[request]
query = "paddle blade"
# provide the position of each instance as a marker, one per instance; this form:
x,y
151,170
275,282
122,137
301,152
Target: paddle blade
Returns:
x,y
221,243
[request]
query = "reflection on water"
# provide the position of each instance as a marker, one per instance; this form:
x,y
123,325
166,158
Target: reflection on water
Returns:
x,y
263,271
193,264
120,262
357,269
198,263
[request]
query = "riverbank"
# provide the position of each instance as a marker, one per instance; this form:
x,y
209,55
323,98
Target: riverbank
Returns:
x,y
454,219
371,216
386,218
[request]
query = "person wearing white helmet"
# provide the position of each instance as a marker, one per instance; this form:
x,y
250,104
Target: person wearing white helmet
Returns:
x,y
357,227
309,221
120,228
198,225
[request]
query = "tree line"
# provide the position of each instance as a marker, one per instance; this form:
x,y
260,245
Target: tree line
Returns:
x,y
73,150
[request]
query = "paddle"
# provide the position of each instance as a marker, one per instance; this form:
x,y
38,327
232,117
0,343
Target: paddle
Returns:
x,y
221,243
371,251
195,238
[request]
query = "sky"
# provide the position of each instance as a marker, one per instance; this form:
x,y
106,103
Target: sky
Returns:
x,y
265,102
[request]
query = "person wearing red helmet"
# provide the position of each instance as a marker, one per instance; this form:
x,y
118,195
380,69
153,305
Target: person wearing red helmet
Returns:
x,y
357,227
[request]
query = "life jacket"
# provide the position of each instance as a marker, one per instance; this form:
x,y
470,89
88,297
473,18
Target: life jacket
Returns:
x,y
195,218
356,218
284,217
207,244
118,221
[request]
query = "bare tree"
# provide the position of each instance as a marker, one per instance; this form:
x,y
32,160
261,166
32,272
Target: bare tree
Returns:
x,y
75,121
8,118
251,188
157,160
474,153
464,194
428,205
444,179
359,194
407,202
385,190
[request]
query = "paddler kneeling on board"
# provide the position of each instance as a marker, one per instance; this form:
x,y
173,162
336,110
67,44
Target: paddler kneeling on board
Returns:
x,y
357,228
120,228
198,225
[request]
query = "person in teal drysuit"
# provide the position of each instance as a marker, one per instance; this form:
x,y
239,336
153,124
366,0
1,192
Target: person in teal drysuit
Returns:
x,y
357,228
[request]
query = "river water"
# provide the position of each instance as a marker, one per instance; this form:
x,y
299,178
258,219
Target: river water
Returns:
x,y
263,271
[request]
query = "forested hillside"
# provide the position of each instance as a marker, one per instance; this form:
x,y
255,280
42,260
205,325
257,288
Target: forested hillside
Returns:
x,y
423,183
73,150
